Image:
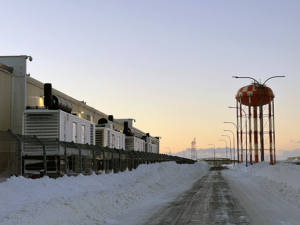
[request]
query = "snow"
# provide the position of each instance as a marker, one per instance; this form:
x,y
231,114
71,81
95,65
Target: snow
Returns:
x,y
94,199
270,193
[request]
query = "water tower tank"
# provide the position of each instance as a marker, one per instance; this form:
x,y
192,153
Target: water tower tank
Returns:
x,y
250,95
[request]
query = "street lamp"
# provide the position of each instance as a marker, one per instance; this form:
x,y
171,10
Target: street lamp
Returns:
x,y
246,131
214,154
169,150
233,145
237,140
226,147
230,145
262,86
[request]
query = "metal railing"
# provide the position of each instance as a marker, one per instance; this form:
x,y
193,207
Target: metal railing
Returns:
x,y
33,157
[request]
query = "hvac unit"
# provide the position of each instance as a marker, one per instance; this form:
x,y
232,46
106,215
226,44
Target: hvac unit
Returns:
x,y
49,125
134,144
107,137
153,148
56,124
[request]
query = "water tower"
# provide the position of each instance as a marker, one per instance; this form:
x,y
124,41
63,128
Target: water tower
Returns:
x,y
255,107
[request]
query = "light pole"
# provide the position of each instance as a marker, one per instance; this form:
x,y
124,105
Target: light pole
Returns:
x,y
233,144
262,86
214,154
246,131
169,150
226,146
237,140
230,145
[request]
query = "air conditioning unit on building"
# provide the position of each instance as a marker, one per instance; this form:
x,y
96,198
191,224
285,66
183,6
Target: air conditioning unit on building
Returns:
x,y
49,125
54,124
133,143
107,137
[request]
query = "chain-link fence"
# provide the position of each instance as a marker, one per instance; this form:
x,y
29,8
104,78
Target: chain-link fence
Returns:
x,y
33,157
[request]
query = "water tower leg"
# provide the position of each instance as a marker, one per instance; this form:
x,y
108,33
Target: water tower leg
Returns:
x,y
270,135
241,126
250,132
273,131
255,133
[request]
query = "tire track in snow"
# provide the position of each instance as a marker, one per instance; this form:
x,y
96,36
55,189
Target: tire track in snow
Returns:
x,y
209,201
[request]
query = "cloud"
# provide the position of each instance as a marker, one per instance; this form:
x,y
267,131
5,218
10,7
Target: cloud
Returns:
x,y
291,140
298,142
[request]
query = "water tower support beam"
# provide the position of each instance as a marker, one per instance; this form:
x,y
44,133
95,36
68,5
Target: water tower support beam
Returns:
x,y
250,131
273,131
241,132
255,133
261,134
270,133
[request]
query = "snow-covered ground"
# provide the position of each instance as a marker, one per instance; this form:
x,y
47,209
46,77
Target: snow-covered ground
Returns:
x,y
95,199
281,179
270,194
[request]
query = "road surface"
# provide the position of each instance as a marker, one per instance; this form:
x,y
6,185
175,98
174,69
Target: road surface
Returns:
x,y
209,201
218,197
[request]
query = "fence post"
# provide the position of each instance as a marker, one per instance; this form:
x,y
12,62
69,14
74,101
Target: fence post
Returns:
x,y
94,157
44,154
19,151
132,161
126,159
103,164
65,154
112,159
80,158
120,161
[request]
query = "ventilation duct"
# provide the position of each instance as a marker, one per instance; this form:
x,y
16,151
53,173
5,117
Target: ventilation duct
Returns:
x,y
48,95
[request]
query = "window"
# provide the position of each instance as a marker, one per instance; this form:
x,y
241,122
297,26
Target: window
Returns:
x,y
74,131
83,134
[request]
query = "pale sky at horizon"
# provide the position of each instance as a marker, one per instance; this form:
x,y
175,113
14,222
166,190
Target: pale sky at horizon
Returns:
x,y
168,64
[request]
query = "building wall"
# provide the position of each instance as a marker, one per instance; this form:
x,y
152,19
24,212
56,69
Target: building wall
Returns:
x,y
5,99
35,92
18,90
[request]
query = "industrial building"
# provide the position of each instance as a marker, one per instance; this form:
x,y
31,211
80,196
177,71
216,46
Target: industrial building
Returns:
x,y
23,110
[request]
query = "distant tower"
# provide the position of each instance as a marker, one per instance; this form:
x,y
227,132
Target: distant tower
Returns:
x,y
193,150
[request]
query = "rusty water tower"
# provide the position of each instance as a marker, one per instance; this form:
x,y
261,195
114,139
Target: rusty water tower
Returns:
x,y
255,107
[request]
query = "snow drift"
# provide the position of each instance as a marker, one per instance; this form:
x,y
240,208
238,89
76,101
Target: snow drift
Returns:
x,y
281,179
89,199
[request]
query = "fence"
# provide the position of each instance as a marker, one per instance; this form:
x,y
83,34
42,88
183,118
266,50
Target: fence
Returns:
x,y
31,156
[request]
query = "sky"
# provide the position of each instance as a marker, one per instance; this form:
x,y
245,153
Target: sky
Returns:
x,y
167,64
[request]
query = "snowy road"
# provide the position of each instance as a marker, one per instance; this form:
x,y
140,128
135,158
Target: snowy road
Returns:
x,y
209,201
219,197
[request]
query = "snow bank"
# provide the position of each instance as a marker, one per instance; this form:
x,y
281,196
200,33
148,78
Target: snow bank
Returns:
x,y
88,199
280,172
281,179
